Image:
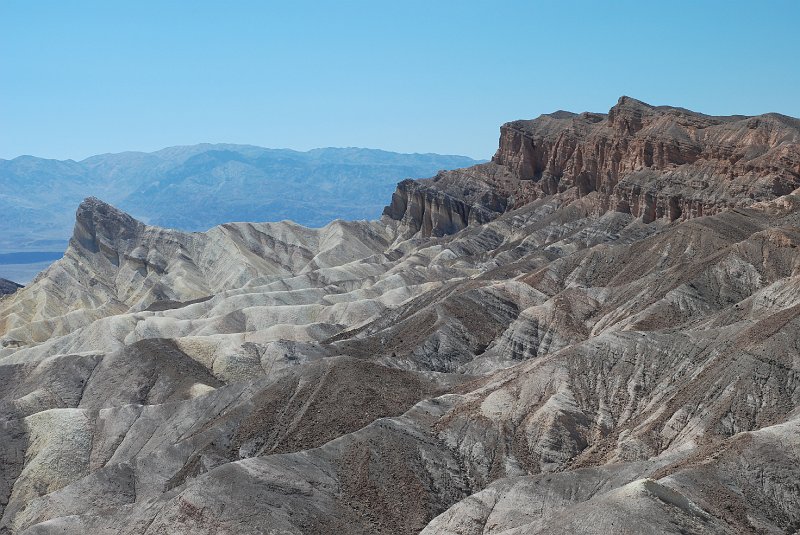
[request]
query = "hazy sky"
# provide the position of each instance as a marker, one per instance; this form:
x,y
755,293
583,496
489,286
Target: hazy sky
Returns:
x,y
81,78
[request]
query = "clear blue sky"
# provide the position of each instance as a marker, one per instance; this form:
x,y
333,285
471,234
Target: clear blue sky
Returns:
x,y
80,78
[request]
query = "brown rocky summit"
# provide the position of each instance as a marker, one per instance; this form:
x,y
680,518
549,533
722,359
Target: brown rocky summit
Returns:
x,y
650,161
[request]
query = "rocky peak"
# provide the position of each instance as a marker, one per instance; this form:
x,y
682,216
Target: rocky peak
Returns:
x,y
99,225
422,207
628,116
650,161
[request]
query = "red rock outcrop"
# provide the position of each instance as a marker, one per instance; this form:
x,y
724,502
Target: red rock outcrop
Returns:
x,y
650,161
657,161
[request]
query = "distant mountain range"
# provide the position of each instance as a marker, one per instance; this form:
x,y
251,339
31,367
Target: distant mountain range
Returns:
x,y
197,187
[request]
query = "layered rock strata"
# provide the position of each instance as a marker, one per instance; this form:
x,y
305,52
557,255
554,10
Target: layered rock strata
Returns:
x,y
654,162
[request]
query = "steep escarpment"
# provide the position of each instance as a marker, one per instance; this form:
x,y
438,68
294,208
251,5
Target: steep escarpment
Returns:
x,y
657,161
423,208
501,353
653,162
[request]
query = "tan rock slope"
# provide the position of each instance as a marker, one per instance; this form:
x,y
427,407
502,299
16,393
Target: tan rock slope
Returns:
x,y
596,332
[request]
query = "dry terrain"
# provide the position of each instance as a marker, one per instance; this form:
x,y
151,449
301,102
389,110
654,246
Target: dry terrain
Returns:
x,y
596,332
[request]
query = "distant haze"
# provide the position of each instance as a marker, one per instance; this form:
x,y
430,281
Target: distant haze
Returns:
x,y
197,187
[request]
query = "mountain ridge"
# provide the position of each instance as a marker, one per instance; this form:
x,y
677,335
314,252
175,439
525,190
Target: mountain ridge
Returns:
x,y
265,184
700,165
230,146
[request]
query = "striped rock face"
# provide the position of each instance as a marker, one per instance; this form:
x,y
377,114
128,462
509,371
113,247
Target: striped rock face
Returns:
x,y
596,332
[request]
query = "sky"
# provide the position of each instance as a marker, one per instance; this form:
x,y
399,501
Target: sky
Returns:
x,y
80,78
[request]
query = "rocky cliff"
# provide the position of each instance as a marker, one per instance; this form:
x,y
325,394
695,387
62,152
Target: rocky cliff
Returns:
x,y
425,209
653,162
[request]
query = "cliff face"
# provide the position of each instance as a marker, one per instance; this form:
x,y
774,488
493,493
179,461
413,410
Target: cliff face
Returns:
x,y
99,227
423,208
650,161
656,162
